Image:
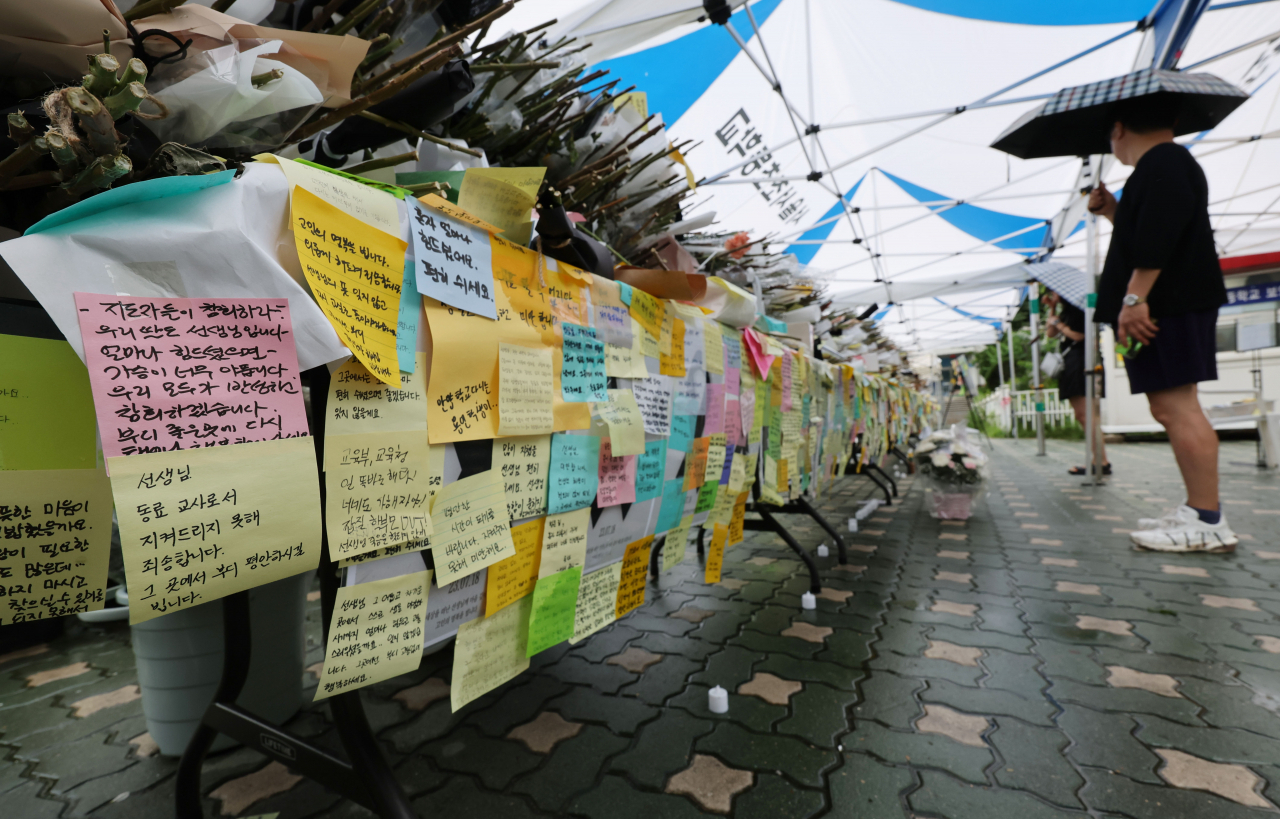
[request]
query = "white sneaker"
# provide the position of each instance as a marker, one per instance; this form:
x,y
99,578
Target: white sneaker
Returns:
x,y
1169,518
1183,531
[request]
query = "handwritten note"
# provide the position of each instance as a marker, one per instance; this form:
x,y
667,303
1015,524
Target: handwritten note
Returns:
x,y
453,261
673,551
738,520
453,604
612,316
672,508
597,601
46,406
407,321
716,454
786,382
650,469
617,478
555,606
626,426
524,463
626,362
471,527
653,397
649,311
574,470
376,633
635,571
582,377
733,423
56,529
713,343
564,543
503,196
682,430
715,410
377,493
355,273
446,207
187,373
489,652
514,577
369,205
715,554
737,473
361,402
671,359
524,389
695,466
197,525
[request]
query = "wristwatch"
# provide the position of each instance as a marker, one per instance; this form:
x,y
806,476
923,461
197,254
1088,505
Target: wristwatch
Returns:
x,y
1133,300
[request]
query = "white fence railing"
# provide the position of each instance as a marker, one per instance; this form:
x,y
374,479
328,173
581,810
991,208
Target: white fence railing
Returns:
x,y
1002,408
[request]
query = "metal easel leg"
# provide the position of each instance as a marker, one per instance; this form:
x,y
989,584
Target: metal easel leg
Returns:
x,y
885,475
831,530
815,584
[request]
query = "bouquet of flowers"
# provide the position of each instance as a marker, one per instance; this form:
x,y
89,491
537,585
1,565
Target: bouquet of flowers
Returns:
x,y
954,471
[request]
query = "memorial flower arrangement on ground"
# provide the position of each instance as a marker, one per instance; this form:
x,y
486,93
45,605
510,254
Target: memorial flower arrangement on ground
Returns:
x,y
954,471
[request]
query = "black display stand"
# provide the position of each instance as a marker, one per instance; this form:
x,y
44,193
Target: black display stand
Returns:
x,y
367,778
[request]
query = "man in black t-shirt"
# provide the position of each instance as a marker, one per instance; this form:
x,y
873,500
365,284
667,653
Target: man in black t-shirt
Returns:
x,y
1162,286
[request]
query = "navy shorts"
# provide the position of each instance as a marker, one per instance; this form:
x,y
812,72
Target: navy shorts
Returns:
x,y
1184,352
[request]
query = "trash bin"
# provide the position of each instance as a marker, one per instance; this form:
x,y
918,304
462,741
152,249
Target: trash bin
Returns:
x,y
179,660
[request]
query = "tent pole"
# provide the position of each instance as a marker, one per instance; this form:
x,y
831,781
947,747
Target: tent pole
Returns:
x,y
1035,367
1013,385
1090,336
1000,365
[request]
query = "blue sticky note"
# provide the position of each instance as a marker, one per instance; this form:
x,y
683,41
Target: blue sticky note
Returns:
x,y
682,430
625,290
574,476
407,326
158,188
672,505
732,350
582,377
454,260
650,468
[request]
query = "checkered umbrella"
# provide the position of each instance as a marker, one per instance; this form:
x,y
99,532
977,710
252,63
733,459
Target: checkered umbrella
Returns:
x,y
1077,121
1068,282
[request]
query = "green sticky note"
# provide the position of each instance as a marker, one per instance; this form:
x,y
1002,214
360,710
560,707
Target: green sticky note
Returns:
x,y
707,497
46,407
555,605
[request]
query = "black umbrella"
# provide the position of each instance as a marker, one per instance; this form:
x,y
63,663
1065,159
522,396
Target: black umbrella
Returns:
x,y
1077,121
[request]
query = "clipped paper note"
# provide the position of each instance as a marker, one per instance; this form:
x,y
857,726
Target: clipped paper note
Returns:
x,y
453,261
376,492
514,577
564,541
355,273
597,601
555,605
199,524
185,373
56,529
713,342
360,402
524,389
376,633
46,406
489,652
472,530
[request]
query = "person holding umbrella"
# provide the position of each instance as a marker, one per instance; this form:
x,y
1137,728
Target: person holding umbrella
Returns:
x,y
1161,288
1066,321
1161,285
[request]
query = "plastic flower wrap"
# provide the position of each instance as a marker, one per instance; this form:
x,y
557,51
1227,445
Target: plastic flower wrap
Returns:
x,y
953,469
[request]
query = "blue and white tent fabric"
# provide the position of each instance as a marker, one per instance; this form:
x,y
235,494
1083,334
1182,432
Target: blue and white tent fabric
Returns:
x,y
856,132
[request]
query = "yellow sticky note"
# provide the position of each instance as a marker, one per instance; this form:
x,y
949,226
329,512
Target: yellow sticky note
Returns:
x,y
355,273
56,530
736,523
489,652
46,406
783,478
376,633
715,555
525,391
737,473
503,197
722,512
199,524
449,209
510,579
638,100
695,464
471,526
626,426
716,451
635,570
650,347
713,342
564,542
597,601
647,310
369,205
628,362
377,493
359,401
769,486
677,540
435,468
672,362
523,463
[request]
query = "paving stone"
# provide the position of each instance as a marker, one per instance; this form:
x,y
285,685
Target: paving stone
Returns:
x,y
666,679
614,797
240,793
728,668
710,783
419,696
1113,793
772,795
1038,710
819,715
941,795
1034,762
463,797
662,747
545,732
764,752
635,660
571,768
864,788
921,750
495,762
1162,684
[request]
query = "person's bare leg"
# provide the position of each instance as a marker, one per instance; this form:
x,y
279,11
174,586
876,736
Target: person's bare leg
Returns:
x,y
1195,444
1078,406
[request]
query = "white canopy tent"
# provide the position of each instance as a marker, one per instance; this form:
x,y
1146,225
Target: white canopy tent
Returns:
x,y
857,131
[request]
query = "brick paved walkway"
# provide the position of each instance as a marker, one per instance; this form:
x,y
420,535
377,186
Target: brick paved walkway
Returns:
x,y
1027,664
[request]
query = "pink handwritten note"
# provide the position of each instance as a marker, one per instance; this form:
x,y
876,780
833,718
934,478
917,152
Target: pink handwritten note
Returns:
x,y
617,477
732,381
756,350
733,423
715,410
186,373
